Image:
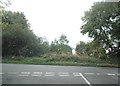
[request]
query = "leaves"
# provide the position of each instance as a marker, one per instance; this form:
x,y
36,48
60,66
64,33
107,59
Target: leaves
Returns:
x,y
61,45
102,22
18,39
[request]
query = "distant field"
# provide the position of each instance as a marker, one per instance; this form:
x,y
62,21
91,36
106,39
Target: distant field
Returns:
x,y
61,59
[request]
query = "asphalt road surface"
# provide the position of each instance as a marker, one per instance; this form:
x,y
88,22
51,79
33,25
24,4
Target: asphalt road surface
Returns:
x,y
47,74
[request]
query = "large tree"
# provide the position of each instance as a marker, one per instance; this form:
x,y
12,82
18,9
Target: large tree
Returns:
x,y
17,38
102,23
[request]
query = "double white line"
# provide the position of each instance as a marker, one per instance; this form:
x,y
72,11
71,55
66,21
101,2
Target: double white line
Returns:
x,y
76,74
24,74
37,74
63,74
50,74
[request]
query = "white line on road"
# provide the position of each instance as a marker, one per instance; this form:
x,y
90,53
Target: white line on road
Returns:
x,y
111,74
49,75
2,73
25,72
85,79
98,73
49,72
23,75
36,75
37,72
76,74
64,75
89,73
12,72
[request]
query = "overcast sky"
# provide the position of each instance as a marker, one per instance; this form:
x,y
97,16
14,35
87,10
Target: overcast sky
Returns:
x,y
51,18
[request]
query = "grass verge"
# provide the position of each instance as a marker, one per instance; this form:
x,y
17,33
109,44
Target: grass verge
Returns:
x,y
65,60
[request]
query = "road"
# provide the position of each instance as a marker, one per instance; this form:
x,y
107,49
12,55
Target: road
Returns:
x,y
47,74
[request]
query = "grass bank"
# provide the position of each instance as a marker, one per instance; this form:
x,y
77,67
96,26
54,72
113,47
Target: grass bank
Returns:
x,y
61,59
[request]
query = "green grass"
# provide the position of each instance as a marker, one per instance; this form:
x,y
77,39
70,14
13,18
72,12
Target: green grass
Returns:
x,y
60,59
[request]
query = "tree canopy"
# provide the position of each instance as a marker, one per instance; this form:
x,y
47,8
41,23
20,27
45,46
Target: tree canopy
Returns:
x,y
80,48
17,38
102,23
61,45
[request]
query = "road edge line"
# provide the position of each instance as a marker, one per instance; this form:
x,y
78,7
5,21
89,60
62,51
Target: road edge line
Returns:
x,y
85,79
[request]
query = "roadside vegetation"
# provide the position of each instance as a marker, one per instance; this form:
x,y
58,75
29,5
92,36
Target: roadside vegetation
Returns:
x,y
62,59
21,46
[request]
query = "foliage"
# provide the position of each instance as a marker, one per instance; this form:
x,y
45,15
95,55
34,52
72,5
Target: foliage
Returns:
x,y
81,48
51,59
92,48
45,47
4,3
18,39
63,40
102,22
61,57
61,45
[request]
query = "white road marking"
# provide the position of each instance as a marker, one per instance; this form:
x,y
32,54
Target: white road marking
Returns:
x,y
23,75
98,73
12,72
64,75
85,79
49,75
111,74
76,74
89,73
37,72
36,75
2,73
49,72
25,72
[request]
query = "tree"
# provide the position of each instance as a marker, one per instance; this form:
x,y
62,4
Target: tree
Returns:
x,y
102,23
14,20
3,5
63,39
17,38
44,45
94,48
61,45
81,48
